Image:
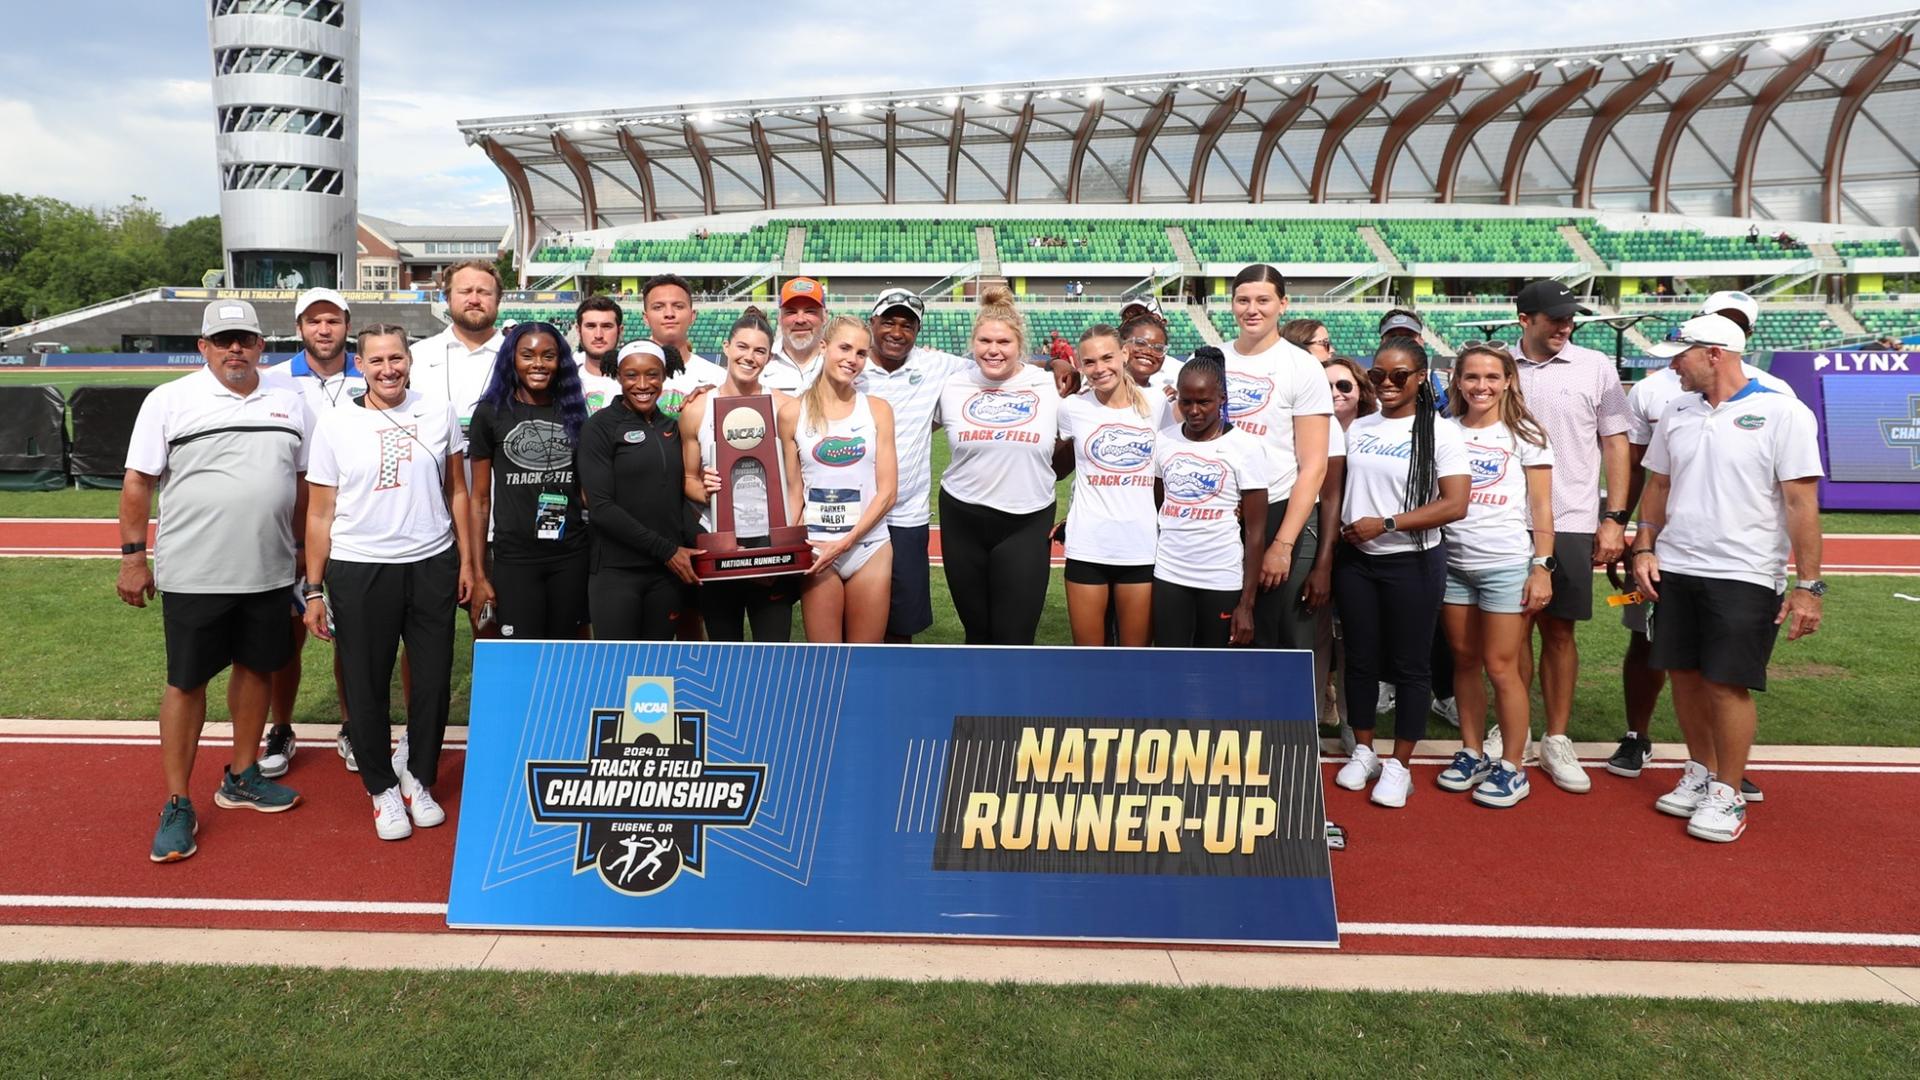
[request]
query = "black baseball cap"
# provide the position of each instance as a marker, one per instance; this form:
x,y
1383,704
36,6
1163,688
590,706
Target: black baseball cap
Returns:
x,y
1550,298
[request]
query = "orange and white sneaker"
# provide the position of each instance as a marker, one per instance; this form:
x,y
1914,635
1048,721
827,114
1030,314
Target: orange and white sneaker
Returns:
x,y
425,812
390,815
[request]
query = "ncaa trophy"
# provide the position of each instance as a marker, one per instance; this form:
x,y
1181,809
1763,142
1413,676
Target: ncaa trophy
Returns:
x,y
750,537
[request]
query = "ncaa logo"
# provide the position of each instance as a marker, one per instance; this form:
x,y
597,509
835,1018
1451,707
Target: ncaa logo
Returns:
x,y
1001,408
1247,393
1488,464
649,708
1119,448
1191,479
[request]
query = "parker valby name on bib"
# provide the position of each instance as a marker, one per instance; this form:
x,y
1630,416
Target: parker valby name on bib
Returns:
x,y
645,794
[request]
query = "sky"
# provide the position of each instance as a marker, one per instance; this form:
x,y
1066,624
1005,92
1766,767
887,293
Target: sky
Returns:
x,y
109,99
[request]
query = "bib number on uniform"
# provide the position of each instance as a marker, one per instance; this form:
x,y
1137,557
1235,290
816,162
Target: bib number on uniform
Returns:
x,y
831,509
550,516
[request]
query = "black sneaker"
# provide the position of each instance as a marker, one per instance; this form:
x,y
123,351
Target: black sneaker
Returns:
x,y
279,756
1632,755
1751,792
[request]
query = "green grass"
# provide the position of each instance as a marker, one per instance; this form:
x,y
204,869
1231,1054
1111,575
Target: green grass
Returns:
x,y
67,379
261,1022
1866,521
1847,685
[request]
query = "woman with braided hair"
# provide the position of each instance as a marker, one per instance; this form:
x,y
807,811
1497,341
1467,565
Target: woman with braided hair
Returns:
x,y
1406,477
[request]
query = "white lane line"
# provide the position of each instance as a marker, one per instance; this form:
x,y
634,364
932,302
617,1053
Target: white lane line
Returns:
x,y
210,903
1633,933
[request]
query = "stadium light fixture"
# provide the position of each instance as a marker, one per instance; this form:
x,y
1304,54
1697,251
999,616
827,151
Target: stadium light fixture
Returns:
x,y
1709,51
1093,91
1424,71
1788,42
856,107
992,98
705,118
1453,69
1503,67
951,101
1561,63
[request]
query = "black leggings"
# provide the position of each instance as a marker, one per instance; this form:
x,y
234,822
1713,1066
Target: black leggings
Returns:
x,y
1280,619
1389,605
636,604
1185,616
540,600
765,604
375,607
996,566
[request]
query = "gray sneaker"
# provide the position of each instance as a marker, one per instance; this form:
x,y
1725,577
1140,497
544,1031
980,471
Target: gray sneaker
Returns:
x,y
251,791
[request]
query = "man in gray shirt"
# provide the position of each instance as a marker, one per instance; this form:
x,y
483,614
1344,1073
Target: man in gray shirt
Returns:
x,y
227,452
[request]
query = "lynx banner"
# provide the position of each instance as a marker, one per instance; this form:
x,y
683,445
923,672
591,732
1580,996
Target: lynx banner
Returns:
x,y
1088,794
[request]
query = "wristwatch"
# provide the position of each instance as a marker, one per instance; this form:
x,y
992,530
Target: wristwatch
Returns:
x,y
1387,524
1814,586
1546,562
1618,517
132,549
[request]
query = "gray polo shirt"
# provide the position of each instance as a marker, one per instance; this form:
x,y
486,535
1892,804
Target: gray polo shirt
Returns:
x,y
229,469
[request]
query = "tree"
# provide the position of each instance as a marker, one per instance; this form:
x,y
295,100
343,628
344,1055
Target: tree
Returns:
x,y
55,256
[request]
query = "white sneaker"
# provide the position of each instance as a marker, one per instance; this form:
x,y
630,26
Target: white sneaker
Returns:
x,y
420,805
1363,766
390,815
1448,711
1387,697
1562,764
1722,815
344,747
1347,741
1688,794
1395,784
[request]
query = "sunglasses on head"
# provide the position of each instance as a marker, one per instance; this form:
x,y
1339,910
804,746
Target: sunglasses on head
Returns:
x,y
1398,378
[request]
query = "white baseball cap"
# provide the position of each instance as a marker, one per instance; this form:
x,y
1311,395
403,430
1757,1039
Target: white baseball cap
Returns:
x,y
318,296
1734,300
1717,331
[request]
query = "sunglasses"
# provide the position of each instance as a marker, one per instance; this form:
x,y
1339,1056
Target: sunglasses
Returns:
x,y
1320,343
229,338
1345,386
1398,378
1150,346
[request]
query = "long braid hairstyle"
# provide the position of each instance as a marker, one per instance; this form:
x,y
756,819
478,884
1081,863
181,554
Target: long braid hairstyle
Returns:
x,y
1422,485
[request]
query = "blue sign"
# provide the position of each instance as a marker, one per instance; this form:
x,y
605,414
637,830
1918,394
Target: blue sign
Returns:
x,y
1092,794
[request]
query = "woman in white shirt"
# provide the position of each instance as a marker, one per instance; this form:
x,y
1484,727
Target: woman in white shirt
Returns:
x,y
388,536
842,477
729,607
1110,523
1406,478
997,494
1213,516
1499,566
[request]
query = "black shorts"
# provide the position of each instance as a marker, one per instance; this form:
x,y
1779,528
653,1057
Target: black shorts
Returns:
x,y
206,632
1573,581
1722,628
911,604
1081,572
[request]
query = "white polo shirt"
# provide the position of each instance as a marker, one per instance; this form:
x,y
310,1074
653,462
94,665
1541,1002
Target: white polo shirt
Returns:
x,y
229,468
324,393
913,390
446,370
1651,396
1726,516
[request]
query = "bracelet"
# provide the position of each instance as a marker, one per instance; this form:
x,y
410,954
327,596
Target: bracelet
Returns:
x,y
1637,552
313,593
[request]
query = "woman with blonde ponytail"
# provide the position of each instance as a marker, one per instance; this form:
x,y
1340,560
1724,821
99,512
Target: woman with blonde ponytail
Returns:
x,y
997,496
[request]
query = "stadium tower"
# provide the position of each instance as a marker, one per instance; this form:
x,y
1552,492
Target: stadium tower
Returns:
x,y
286,99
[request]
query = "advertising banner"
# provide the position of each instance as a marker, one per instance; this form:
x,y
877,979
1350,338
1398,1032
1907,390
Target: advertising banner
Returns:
x,y
1868,405
1086,794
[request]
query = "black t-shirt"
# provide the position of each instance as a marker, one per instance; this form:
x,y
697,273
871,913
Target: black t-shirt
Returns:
x,y
528,447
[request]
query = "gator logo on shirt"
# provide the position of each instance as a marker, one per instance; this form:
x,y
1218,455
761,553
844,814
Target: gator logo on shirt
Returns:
x,y
637,435
1750,422
840,451
1001,408
537,446
1190,479
1487,464
1119,448
1247,393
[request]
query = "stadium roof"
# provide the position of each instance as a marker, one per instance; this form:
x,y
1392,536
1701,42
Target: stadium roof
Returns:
x,y
1811,123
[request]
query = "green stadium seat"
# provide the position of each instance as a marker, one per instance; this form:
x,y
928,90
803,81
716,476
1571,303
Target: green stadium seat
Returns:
x,y
1477,240
1681,245
1277,241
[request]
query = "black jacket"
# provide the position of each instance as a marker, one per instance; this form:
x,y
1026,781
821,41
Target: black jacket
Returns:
x,y
633,476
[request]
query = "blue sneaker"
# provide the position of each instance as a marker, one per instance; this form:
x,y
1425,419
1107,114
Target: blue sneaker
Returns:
x,y
1466,771
251,791
178,825
1503,787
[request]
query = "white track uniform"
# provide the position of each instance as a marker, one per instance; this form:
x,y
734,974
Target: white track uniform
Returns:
x,y
1199,544
837,479
1111,519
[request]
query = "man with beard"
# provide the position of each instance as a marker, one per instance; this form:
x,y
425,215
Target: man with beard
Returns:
x,y
909,379
599,321
324,373
802,314
454,365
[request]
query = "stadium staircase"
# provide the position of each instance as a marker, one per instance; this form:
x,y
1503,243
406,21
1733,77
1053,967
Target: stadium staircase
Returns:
x,y
1183,251
1380,250
1580,246
1208,332
796,249
989,253
1844,319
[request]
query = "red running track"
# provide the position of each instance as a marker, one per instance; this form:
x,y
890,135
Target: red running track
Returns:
x,y
1842,554
1832,850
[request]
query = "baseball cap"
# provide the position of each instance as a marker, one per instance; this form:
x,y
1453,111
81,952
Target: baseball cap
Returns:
x,y
899,298
1715,330
1550,298
318,296
1148,304
642,346
1735,300
224,315
802,288
1401,320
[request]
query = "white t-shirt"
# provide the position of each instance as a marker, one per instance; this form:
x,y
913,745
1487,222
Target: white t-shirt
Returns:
x,y
1377,454
913,390
1498,529
1001,435
389,467
1651,396
1199,544
1265,391
699,372
1111,519
599,391
446,370
1726,517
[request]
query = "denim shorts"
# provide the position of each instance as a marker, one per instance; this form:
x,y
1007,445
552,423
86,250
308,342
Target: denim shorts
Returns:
x,y
1497,590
